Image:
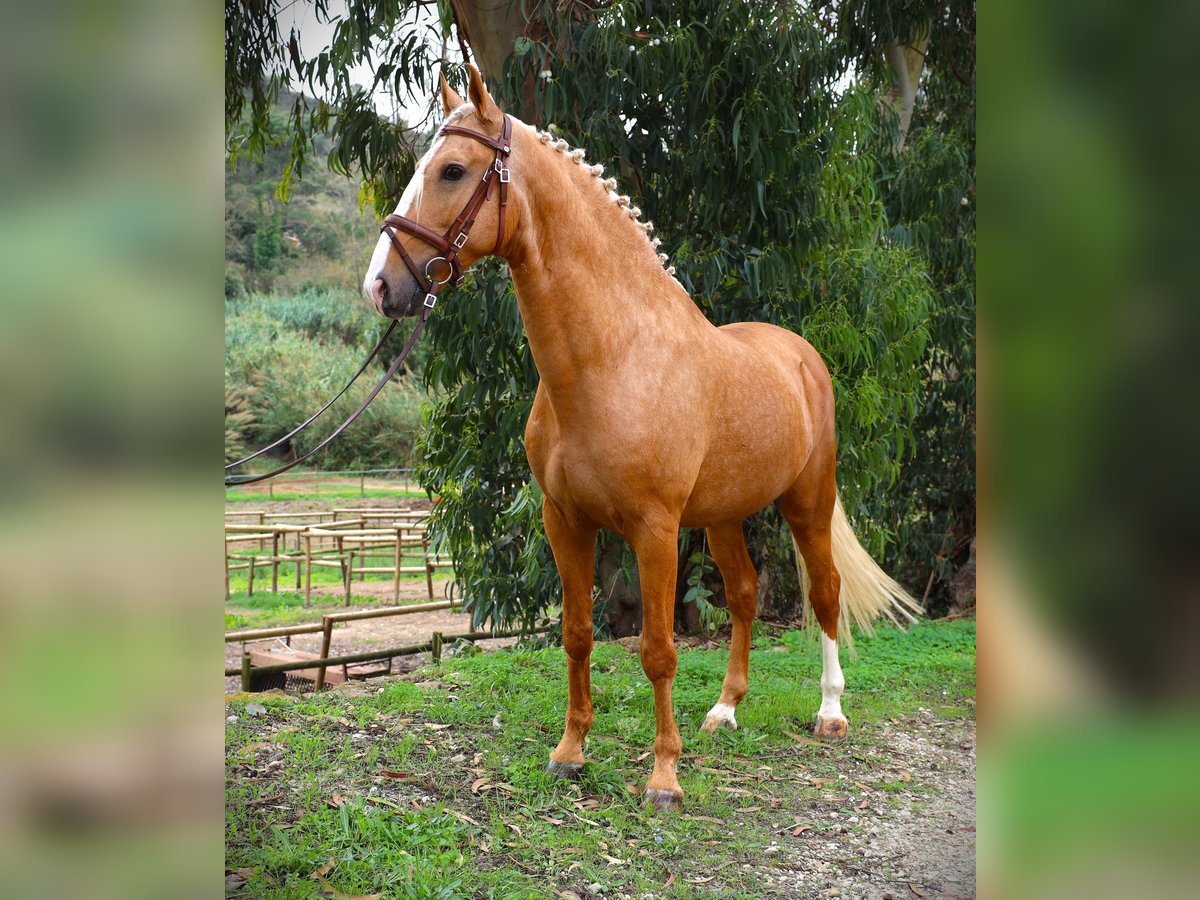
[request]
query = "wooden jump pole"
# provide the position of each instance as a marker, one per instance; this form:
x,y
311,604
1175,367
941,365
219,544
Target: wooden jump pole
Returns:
x,y
428,567
258,634
373,655
399,557
307,568
326,640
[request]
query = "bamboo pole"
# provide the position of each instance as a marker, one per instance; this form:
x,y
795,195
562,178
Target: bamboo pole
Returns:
x,y
399,562
373,655
326,639
258,634
384,612
308,561
428,568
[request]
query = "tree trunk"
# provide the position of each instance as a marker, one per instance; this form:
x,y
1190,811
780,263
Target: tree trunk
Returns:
x,y
906,62
490,28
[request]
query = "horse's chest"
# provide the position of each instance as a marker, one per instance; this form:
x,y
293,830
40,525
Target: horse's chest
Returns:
x,y
596,467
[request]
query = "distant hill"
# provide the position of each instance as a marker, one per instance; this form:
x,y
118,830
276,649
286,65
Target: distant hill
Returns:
x,y
318,239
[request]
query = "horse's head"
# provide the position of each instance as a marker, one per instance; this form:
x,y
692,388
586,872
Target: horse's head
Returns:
x,y
443,187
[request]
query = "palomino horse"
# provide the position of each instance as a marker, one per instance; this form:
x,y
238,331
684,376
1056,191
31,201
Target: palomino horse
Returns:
x,y
647,417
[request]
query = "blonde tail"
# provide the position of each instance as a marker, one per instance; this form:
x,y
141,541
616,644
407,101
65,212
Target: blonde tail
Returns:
x,y
867,591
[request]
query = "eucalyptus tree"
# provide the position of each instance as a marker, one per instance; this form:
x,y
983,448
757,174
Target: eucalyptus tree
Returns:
x,y
751,134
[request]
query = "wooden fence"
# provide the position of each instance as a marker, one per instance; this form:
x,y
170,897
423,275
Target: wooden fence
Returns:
x,y
351,537
326,626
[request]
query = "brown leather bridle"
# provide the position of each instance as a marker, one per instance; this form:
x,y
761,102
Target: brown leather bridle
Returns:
x,y
455,238
448,245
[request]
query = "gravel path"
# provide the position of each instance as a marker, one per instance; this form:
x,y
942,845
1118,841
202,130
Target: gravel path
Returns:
x,y
892,845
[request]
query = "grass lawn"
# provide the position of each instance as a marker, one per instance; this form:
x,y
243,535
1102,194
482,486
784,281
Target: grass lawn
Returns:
x,y
433,784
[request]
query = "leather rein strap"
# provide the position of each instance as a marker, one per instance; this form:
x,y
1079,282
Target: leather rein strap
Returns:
x,y
449,246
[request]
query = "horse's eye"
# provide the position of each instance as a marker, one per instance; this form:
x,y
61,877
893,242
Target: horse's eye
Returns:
x,y
453,172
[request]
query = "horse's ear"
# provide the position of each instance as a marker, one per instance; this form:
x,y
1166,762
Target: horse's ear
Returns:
x,y
450,99
485,106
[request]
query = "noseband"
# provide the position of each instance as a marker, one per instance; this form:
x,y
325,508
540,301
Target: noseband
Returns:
x,y
451,243
448,245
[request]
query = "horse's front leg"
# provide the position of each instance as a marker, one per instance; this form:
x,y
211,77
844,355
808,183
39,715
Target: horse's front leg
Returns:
x,y
574,548
657,556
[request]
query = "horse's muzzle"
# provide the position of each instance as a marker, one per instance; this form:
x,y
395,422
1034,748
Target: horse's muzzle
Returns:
x,y
397,302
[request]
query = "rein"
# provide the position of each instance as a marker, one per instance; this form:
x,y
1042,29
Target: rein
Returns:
x,y
448,245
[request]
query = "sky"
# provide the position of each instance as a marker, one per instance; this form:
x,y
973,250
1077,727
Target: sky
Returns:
x,y
316,35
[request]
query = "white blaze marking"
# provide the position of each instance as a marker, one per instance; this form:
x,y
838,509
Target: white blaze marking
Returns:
x,y
832,681
409,207
723,712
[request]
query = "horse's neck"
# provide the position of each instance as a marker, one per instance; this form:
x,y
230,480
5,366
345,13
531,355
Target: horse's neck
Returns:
x,y
589,283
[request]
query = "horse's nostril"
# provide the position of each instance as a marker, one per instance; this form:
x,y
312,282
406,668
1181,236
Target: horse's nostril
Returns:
x,y
379,290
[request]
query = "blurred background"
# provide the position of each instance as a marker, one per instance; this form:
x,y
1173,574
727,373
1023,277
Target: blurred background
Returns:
x,y
111,244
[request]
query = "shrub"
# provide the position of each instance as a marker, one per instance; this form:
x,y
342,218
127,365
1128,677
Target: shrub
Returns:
x,y
288,355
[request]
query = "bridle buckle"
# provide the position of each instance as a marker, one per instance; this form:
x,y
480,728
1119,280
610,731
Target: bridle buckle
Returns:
x,y
430,300
461,240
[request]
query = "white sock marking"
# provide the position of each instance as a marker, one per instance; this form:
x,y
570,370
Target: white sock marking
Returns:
x,y
832,681
723,712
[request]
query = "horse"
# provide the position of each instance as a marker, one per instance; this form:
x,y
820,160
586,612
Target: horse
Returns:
x,y
647,417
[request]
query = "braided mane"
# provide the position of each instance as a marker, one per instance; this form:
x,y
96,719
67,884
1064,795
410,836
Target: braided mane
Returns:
x,y
623,201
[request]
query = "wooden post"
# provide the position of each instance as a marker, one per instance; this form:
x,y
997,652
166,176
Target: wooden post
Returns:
x,y
348,574
250,576
326,640
307,568
436,646
428,565
226,572
362,484
245,670
399,557
274,562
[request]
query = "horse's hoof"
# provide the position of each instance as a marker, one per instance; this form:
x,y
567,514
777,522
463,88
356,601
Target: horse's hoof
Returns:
x,y
564,771
663,801
720,716
831,729
712,724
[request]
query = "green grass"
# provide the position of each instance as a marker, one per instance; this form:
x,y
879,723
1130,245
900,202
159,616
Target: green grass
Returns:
x,y
475,814
331,493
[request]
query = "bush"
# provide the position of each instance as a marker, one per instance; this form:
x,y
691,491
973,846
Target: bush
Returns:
x,y
289,355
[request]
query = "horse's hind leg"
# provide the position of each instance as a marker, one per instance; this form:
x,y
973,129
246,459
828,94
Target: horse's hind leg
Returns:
x,y
808,507
727,544
574,550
